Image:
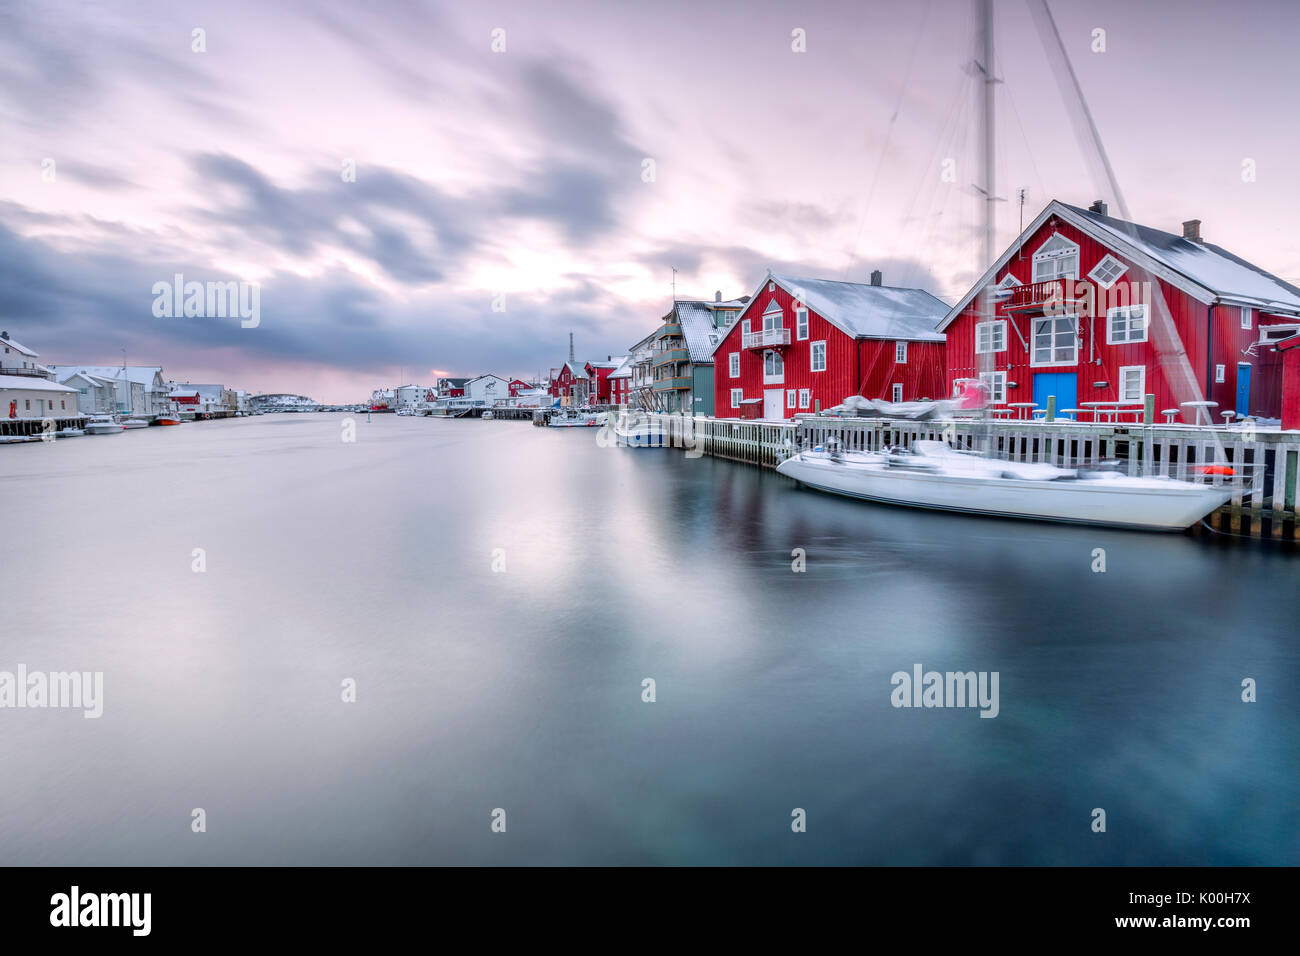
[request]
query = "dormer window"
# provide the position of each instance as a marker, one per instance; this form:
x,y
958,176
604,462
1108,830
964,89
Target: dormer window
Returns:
x,y
1107,272
1008,282
1057,258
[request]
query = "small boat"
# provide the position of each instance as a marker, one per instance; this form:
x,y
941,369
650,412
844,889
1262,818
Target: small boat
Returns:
x,y
488,416
135,423
169,420
637,432
70,433
103,425
572,419
935,476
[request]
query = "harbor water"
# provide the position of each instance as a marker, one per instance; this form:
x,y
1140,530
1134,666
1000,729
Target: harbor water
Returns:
x,y
499,594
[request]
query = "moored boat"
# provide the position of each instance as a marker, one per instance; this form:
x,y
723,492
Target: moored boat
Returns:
x,y
103,425
934,476
135,423
641,432
169,420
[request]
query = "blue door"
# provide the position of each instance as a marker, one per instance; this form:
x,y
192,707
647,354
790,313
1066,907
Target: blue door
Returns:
x,y
1243,389
1064,385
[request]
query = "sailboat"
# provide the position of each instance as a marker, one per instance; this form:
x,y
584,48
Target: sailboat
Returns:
x,y
933,475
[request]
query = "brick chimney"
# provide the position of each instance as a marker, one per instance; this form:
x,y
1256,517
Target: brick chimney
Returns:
x,y
1192,230
5,336
876,277
1099,206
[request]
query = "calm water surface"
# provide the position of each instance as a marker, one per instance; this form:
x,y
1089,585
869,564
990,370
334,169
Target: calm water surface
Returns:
x,y
522,690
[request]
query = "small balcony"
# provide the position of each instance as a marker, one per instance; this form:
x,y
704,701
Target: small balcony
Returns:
x,y
668,328
672,384
1038,296
668,356
766,339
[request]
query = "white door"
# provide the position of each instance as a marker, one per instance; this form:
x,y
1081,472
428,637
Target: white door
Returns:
x,y
774,403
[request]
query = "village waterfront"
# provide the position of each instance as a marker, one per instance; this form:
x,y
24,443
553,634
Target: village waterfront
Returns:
x,y
499,594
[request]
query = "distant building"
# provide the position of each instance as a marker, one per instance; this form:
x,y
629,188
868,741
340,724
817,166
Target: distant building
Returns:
x,y
487,390
598,379
570,384
18,359
141,390
33,396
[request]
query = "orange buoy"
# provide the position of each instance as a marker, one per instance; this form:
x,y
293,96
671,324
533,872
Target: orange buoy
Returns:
x,y
1216,470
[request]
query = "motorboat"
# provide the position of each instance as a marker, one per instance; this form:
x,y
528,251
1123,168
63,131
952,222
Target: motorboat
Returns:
x,y
488,416
70,433
135,423
169,420
933,475
103,425
572,419
634,431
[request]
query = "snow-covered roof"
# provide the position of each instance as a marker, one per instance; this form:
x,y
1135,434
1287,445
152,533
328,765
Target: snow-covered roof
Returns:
x,y
88,379
17,347
624,369
697,322
1205,271
610,364
576,369
30,383
143,374
870,311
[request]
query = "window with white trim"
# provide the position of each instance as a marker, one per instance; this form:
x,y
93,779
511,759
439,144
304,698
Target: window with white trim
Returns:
x,y
791,396
801,324
1125,324
733,364
773,368
773,317
1057,258
1056,340
817,356
900,353
897,392
744,329
990,336
1220,372
1247,317
1107,272
997,383
1008,282
1276,333
805,398
1132,383
736,396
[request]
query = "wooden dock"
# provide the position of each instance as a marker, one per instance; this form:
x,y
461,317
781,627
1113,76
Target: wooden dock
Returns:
x,y
1266,463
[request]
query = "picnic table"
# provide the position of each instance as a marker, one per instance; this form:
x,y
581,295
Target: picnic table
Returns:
x,y
1201,410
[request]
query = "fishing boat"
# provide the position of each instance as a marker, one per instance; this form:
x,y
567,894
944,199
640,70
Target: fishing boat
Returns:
x,y
572,419
933,475
170,420
103,425
134,423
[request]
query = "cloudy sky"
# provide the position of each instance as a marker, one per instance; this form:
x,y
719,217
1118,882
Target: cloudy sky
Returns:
x,y
503,198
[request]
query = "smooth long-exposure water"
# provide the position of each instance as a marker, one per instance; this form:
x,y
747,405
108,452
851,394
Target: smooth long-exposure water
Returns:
x,y
521,689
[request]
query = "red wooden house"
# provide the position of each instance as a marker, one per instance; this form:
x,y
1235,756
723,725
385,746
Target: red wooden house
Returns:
x,y
570,383
1088,308
803,344
518,385
598,376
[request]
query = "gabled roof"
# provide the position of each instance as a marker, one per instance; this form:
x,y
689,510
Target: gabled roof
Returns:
x,y
1203,270
576,369
624,369
32,384
867,311
18,347
611,364
696,319
142,374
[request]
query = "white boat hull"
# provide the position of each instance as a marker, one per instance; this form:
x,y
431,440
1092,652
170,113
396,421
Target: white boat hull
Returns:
x,y
642,436
107,428
1111,500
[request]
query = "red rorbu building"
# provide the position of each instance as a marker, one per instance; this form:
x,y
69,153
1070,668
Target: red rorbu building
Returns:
x,y
518,385
804,344
1077,316
598,375
569,383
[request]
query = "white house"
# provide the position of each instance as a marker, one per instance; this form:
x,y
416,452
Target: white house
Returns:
x,y
487,390
18,359
31,396
141,389
95,396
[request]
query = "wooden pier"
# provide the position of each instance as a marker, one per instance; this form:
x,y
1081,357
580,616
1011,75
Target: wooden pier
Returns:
x,y
1266,463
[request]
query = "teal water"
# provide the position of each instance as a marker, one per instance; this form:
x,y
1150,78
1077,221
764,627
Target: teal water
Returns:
x,y
521,688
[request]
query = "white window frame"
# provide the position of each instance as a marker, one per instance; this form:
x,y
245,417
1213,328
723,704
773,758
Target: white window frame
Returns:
x,y
1286,330
1247,317
1040,257
744,329
791,396
773,378
1105,260
805,398
999,327
1127,311
900,353
733,365
801,324
773,318
1220,374
1033,342
1142,382
997,383
896,392
1008,282
813,349
737,396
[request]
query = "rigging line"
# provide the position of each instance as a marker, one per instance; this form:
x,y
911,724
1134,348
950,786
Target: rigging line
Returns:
x,y
889,135
1029,149
940,199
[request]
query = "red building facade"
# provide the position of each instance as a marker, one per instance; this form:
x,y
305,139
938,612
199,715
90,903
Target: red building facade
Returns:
x,y
1077,315
801,344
